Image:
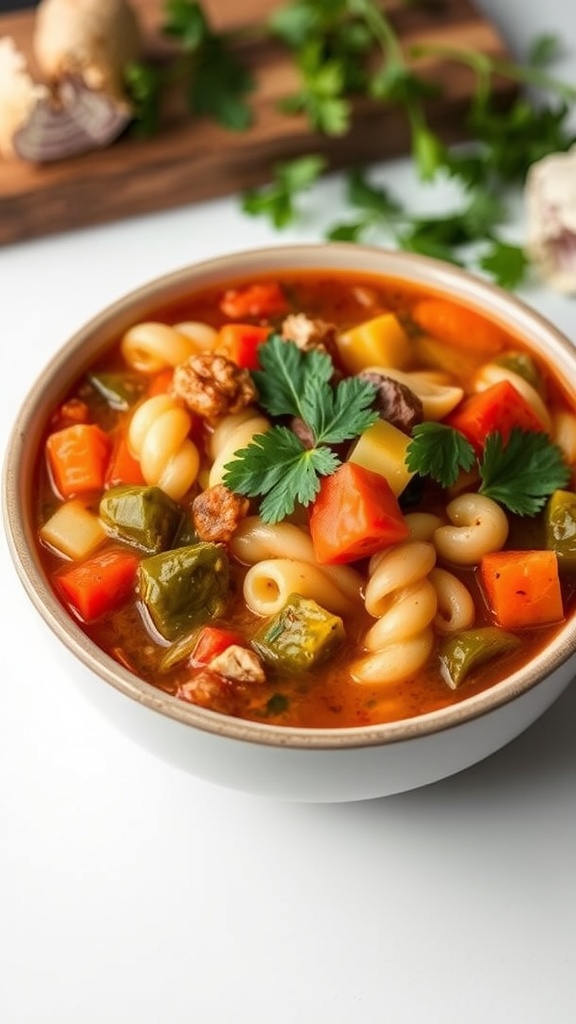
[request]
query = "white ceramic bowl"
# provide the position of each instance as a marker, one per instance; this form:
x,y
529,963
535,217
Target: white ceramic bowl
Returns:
x,y
295,764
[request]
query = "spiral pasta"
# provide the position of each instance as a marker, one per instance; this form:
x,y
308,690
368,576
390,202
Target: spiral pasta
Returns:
x,y
455,605
401,596
563,430
269,584
158,438
477,526
150,346
234,432
255,540
438,399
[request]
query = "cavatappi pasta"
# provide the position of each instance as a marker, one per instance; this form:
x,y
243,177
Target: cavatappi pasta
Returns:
x,y
346,612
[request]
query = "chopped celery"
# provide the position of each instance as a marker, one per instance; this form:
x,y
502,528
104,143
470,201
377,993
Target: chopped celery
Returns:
x,y
143,516
560,525
464,651
300,636
184,587
119,390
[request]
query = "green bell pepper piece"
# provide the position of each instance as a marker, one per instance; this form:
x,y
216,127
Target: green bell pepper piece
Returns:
x,y
184,587
142,516
560,525
119,390
300,636
464,651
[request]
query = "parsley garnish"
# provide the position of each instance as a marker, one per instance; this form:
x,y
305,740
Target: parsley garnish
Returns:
x,y
522,473
439,451
276,465
519,474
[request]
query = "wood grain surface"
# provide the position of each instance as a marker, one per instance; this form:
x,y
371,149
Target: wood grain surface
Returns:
x,y
190,160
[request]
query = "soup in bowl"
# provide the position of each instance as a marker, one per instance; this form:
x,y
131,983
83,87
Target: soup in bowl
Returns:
x,y
307,516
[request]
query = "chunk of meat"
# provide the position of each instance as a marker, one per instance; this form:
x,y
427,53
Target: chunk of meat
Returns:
x,y
216,513
309,334
210,690
213,386
240,664
395,402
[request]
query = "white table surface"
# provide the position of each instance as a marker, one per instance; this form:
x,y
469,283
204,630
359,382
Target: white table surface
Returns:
x,y
131,893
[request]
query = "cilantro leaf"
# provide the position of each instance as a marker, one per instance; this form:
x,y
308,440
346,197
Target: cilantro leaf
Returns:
x,y
285,369
439,451
522,473
339,413
277,466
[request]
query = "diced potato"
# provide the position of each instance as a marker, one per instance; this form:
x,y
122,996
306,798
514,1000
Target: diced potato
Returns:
x,y
73,530
382,340
382,448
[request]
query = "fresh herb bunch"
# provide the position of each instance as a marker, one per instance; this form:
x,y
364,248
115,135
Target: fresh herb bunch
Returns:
x,y
276,465
345,51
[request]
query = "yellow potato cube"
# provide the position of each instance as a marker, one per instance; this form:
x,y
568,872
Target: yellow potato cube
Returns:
x,y
381,341
73,530
382,448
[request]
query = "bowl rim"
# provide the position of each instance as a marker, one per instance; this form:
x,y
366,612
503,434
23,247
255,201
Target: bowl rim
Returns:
x,y
95,335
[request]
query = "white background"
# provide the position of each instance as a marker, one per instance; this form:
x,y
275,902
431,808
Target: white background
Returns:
x,y
131,893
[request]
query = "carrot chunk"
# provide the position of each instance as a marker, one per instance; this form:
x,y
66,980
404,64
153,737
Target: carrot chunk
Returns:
x,y
123,468
77,457
522,587
459,326
99,584
497,409
354,515
240,343
258,300
213,640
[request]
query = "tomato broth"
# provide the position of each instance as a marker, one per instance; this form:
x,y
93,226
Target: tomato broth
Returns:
x,y
108,567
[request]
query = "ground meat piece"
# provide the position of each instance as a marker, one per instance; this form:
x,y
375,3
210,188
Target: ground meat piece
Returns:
x,y
309,334
216,513
240,664
395,402
210,690
213,386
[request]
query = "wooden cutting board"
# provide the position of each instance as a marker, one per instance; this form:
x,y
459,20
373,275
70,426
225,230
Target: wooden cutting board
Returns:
x,y
190,160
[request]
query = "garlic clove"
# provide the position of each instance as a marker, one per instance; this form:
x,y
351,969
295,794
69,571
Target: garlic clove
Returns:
x,y
550,195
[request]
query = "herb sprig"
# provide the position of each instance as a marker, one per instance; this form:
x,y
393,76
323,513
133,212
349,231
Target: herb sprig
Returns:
x,y
519,473
276,465
345,52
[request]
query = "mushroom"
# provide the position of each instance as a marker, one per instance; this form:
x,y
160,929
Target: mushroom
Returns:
x,y
551,215
81,48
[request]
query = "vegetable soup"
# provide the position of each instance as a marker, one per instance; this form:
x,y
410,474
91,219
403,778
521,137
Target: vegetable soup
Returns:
x,y
323,500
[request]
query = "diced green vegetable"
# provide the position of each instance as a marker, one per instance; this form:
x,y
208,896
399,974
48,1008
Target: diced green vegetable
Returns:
x,y
560,525
145,517
523,364
184,587
180,651
300,636
464,651
119,390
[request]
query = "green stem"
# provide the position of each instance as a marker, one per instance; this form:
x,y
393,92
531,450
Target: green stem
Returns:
x,y
486,66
